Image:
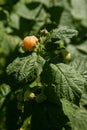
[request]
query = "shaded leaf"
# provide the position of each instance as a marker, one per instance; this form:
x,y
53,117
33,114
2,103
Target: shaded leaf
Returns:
x,y
62,82
4,91
57,10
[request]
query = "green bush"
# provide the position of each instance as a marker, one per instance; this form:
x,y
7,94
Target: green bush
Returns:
x,y
45,88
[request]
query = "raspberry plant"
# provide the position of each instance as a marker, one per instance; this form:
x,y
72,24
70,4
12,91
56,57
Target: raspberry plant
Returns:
x,y
45,88
46,80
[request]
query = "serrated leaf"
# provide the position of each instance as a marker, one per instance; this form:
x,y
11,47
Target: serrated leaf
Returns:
x,y
79,121
80,64
26,69
4,90
83,101
68,108
63,33
76,115
62,82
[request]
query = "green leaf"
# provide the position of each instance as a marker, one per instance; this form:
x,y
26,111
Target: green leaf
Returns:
x,y
26,124
79,9
4,90
63,33
66,19
76,115
32,10
69,108
8,48
45,2
62,81
3,14
84,22
40,21
36,27
79,122
2,64
8,43
14,21
73,51
80,64
83,101
82,47
53,10
26,69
